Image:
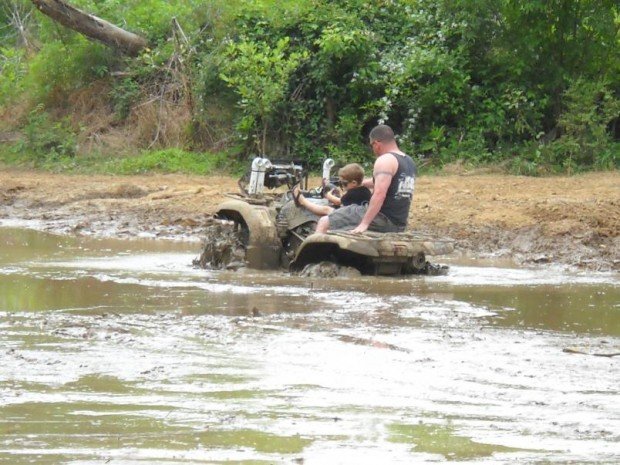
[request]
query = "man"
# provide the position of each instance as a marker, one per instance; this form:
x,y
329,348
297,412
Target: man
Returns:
x,y
393,183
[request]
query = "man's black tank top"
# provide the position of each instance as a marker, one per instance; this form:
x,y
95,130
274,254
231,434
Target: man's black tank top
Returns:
x,y
400,193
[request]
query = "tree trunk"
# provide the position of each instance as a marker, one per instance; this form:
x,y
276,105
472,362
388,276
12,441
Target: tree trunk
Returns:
x,y
91,26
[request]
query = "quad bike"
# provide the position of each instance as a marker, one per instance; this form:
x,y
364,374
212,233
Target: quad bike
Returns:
x,y
263,230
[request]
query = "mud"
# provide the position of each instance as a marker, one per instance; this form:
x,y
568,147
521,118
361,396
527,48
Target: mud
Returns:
x,y
571,221
222,247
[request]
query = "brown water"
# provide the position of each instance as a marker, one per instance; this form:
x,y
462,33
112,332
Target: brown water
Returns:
x,y
120,352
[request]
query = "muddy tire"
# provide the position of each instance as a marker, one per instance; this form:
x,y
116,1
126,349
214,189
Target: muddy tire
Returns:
x,y
417,263
293,240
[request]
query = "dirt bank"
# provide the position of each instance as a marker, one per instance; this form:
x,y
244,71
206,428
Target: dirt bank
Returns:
x,y
564,220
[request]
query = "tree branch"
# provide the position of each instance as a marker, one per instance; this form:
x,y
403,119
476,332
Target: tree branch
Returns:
x,y
91,26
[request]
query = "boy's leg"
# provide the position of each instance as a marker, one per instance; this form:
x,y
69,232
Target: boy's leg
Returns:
x,y
323,224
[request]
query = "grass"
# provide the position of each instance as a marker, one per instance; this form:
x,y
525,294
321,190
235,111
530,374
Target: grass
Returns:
x,y
171,160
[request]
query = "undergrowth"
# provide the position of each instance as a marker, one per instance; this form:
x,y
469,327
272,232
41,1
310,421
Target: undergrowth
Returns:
x,y
529,86
158,161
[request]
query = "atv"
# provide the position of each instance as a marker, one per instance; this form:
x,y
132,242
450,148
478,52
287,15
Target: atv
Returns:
x,y
267,230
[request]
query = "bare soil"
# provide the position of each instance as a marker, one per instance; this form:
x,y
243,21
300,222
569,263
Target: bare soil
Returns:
x,y
563,220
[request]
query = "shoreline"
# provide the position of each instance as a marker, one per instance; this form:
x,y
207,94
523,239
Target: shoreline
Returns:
x,y
568,221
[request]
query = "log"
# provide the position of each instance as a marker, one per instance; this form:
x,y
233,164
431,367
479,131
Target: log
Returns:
x,y
91,26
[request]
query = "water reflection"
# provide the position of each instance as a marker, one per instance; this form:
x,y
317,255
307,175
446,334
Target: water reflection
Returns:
x,y
120,352
591,308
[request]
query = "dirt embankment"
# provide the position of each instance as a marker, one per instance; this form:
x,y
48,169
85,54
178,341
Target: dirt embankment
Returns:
x,y
565,220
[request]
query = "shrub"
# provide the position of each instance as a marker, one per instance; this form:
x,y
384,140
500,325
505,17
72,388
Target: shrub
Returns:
x,y
590,107
61,67
46,139
12,72
260,75
170,161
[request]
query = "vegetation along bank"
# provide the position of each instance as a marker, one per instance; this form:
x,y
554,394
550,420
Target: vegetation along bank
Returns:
x,y
531,85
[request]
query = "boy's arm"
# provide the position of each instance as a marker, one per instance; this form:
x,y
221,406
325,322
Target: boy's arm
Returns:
x,y
333,199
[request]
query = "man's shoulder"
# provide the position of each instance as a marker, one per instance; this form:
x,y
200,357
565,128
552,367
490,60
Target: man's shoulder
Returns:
x,y
392,156
396,155
386,158
398,158
386,162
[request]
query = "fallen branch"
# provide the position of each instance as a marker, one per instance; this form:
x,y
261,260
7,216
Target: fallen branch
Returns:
x,y
91,26
570,350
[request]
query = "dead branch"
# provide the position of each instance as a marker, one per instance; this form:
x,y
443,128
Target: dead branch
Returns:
x,y
91,26
19,18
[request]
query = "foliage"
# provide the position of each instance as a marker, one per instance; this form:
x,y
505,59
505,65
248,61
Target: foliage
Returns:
x,y
12,72
259,74
169,161
124,95
533,84
585,141
46,139
347,144
161,161
149,18
16,22
61,67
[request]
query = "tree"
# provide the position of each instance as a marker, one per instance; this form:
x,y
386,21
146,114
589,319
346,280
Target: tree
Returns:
x,y
260,76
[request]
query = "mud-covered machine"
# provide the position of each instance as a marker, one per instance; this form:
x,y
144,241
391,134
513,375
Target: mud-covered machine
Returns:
x,y
267,230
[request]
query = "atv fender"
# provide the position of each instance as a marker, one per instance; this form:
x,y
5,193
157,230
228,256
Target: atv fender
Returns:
x,y
371,253
263,246
333,247
343,242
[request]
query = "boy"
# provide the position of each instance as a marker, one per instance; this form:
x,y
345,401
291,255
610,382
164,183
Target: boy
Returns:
x,y
351,178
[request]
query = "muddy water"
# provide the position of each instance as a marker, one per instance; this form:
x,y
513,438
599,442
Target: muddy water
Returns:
x,y
120,352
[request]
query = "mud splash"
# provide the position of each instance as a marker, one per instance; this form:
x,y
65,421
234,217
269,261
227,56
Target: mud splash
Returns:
x,y
222,247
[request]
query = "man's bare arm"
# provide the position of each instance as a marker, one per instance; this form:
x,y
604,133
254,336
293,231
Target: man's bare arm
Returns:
x,y
369,183
376,202
384,170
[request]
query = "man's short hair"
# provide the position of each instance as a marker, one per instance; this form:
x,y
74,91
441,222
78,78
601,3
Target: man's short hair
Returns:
x,y
382,133
352,172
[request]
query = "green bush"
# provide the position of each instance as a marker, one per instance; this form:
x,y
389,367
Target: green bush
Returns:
x,y
62,67
45,139
169,161
590,107
260,75
12,72
124,95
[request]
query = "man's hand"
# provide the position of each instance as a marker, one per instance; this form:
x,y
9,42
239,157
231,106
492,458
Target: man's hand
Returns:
x,y
360,229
